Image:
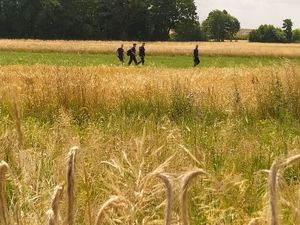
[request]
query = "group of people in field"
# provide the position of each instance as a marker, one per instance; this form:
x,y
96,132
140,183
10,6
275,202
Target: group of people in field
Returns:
x,y
142,54
132,54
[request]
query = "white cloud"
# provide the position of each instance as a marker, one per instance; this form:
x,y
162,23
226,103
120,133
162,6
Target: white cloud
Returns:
x,y
251,14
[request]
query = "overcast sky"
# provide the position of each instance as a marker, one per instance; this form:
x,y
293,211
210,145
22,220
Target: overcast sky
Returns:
x,y
252,13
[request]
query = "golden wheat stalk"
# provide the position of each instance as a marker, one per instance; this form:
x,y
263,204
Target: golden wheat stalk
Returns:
x,y
54,211
106,205
18,124
273,194
51,219
71,185
187,178
4,218
169,192
254,221
290,160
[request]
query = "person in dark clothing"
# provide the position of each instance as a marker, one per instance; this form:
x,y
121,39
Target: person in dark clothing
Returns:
x,y
142,54
196,56
120,54
132,54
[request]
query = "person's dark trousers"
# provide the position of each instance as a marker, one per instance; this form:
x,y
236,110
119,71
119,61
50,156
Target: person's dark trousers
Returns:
x,y
142,60
196,61
121,59
132,58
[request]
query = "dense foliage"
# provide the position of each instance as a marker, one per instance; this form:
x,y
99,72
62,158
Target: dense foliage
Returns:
x,y
97,19
296,35
269,33
220,25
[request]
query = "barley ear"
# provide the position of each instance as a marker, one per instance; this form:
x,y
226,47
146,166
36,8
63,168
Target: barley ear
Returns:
x,y
54,211
106,205
169,192
183,193
71,185
4,218
273,219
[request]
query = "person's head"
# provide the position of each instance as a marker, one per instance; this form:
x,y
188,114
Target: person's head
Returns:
x,y
143,44
122,45
134,45
196,46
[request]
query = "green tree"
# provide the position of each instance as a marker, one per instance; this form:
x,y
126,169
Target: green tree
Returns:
x,y
288,29
296,35
232,27
267,33
188,27
189,32
221,25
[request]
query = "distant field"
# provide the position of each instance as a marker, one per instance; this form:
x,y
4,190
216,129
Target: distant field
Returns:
x,y
241,48
165,61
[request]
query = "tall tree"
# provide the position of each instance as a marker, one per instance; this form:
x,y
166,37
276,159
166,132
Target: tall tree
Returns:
x,y
164,15
288,29
221,25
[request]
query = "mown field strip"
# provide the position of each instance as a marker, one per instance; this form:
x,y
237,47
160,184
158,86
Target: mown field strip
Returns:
x,y
165,61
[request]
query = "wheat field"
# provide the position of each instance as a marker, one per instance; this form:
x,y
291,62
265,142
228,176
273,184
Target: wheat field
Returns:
x,y
240,48
153,145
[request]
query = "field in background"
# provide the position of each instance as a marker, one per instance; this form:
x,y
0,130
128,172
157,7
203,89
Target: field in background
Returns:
x,y
240,48
131,123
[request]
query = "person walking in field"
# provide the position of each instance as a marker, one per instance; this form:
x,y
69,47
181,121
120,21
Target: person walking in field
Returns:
x,y
142,53
196,56
120,54
132,54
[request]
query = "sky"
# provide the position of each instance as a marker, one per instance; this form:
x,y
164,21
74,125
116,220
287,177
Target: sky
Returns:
x,y
252,13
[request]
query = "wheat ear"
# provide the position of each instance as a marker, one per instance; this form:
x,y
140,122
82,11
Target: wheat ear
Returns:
x,y
273,187
169,192
71,185
183,195
100,216
273,194
3,203
54,211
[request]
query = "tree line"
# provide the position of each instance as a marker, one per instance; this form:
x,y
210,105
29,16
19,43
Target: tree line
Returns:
x,y
95,19
149,20
269,33
112,20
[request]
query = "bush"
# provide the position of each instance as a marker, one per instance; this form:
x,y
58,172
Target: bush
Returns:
x,y
267,33
296,35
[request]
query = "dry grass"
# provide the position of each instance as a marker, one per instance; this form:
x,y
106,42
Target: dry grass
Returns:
x,y
45,86
4,219
241,48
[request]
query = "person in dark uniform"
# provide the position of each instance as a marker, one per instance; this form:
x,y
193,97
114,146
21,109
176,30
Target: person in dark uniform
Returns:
x,y
142,53
120,54
196,56
132,54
